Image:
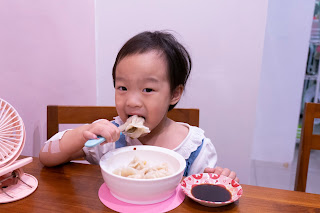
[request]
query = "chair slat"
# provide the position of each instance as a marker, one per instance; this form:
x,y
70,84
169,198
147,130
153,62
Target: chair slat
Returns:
x,y
57,114
315,142
308,142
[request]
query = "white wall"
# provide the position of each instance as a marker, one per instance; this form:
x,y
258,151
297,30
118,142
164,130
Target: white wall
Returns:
x,y
283,69
47,57
225,39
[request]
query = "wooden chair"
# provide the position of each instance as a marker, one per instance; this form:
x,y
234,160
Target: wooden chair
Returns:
x,y
87,114
308,141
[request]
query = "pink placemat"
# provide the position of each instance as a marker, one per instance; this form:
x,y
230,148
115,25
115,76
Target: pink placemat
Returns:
x,y
113,203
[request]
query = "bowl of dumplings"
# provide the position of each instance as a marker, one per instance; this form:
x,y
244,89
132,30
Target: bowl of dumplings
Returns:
x,y
142,174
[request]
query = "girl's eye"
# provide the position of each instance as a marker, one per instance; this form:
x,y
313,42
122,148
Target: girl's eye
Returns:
x,y
147,90
122,88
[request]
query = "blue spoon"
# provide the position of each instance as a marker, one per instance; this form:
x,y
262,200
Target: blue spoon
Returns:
x,y
94,142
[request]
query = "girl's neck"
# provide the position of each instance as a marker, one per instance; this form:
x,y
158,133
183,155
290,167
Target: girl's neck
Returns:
x,y
167,134
159,130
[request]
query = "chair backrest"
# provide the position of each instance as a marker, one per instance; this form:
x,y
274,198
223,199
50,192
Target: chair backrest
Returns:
x,y
87,114
308,141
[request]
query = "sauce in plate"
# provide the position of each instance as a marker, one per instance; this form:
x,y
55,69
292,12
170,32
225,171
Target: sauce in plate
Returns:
x,y
210,192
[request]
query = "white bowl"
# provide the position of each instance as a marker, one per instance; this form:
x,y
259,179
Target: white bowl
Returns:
x,y
142,191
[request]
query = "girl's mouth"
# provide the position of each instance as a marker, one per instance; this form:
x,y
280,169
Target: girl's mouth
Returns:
x,y
137,115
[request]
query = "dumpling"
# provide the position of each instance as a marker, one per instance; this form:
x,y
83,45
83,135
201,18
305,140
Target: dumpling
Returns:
x,y
134,127
137,164
139,169
157,172
125,172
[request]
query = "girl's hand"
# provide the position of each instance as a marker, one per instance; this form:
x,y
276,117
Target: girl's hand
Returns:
x,y
220,171
102,128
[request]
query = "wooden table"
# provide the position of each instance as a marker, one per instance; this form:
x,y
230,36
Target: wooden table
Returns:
x,y
73,187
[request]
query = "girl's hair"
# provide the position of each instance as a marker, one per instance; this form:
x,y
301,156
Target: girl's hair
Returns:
x,y
177,57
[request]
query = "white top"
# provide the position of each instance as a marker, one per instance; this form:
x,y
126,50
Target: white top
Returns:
x,y
206,158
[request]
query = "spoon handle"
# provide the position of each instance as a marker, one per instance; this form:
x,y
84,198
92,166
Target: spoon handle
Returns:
x,y
94,142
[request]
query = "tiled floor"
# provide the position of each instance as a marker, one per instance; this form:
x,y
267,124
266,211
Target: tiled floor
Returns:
x,y
282,176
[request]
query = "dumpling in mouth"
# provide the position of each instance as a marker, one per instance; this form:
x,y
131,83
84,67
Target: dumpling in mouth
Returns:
x,y
134,127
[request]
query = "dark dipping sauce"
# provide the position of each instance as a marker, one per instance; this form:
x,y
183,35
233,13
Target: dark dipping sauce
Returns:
x,y
210,192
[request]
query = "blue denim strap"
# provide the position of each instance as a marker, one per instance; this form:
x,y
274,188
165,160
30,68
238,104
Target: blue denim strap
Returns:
x,y
122,140
191,158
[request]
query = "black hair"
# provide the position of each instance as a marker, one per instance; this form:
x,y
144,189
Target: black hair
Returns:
x,y
177,57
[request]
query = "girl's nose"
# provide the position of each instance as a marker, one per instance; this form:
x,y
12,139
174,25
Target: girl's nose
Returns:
x,y
134,101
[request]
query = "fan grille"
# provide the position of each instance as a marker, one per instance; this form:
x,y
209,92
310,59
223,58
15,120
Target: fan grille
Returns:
x,y
12,134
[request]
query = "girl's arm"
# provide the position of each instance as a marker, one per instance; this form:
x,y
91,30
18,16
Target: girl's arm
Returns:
x,y
70,146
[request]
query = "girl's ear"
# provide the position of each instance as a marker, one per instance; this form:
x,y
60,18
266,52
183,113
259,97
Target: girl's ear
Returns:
x,y
176,95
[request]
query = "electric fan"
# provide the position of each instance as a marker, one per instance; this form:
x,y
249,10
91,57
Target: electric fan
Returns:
x,y
14,183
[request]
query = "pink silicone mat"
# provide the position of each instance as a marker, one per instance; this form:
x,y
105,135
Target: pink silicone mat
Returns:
x,y
113,203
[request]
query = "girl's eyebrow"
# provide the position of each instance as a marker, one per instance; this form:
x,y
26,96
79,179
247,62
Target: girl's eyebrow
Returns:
x,y
119,78
146,79
151,79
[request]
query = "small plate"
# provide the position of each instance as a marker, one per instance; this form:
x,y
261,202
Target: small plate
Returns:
x,y
210,178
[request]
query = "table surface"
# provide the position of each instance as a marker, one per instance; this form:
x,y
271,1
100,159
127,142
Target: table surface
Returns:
x,y
73,187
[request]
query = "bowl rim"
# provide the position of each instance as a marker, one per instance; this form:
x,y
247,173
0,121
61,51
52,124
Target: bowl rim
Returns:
x,y
144,147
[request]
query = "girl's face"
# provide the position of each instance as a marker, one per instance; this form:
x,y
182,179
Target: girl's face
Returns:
x,y
142,88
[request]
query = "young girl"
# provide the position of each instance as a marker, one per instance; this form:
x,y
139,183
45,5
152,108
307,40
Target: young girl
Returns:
x,y
149,76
